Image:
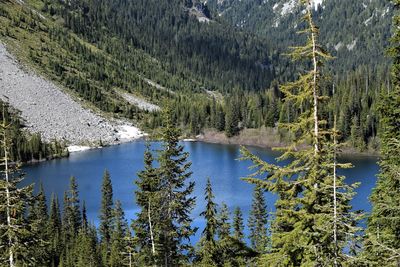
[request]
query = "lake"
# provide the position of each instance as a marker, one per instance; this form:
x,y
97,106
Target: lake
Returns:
x,y
219,162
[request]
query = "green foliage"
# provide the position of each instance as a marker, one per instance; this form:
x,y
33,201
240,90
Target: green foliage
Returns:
x,y
16,234
238,225
341,22
208,252
383,231
174,173
258,222
304,218
27,147
106,216
224,227
72,219
120,233
148,219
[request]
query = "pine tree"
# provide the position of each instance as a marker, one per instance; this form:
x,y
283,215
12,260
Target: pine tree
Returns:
x,y
54,229
72,220
118,236
106,208
85,223
177,202
71,223
148,198
106,215
85,248
304,218
258,221
238,225
37,219
383,228
14,231
208,250
224,227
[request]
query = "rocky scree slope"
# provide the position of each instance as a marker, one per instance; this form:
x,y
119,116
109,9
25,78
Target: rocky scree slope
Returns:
x,y
49,111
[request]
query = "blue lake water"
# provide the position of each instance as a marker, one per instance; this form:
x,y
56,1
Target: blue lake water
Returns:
x,y
219,162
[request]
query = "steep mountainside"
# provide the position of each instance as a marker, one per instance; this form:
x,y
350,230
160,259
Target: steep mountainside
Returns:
x,y
178,34
356,32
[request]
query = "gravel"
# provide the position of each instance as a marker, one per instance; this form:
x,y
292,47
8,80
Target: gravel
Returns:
x,y
49,111
139,102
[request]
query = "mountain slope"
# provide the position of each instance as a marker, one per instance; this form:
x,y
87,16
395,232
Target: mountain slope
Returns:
x,y
50,112
356,32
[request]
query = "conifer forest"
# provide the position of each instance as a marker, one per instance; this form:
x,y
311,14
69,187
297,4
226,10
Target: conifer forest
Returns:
x,y
314,80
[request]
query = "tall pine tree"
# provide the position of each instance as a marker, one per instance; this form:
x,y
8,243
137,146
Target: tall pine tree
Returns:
x,y
177,202
146,225
304,218
106,215
54,233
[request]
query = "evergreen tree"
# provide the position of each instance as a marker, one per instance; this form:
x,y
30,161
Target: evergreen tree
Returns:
x,y
383,229
238,225
14,230
106,208
72,220
85,248
231,120
208,250
119,234
304,220
258,221
37,219
85,223
71,224
146,225
177,202
224,227
54,229
106,215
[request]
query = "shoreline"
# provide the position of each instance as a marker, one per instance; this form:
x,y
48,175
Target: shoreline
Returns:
x,y
266,138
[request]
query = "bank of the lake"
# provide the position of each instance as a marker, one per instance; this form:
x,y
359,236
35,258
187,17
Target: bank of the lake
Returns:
x,y
208,160
266,138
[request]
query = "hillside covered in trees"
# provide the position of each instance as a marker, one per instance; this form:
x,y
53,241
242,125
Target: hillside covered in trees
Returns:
x,y
215,75
313,223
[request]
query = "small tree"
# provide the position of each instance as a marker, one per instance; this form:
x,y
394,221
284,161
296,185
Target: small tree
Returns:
x,y
106,215
238,225
208,250
258,221
148,198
